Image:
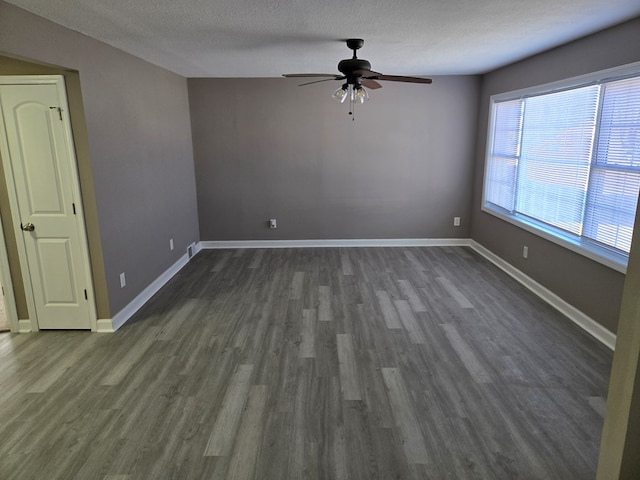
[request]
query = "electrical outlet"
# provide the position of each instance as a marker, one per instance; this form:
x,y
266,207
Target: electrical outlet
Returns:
x,y
525,251
123,280
273,223
171,244
456,221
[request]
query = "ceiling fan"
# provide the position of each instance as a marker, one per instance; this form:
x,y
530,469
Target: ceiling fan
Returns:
x,y
357,74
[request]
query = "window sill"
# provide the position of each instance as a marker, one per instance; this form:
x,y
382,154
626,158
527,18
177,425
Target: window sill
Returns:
x,y
592,251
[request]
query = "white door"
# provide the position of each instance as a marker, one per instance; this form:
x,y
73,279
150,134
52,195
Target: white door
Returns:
x,y
42,181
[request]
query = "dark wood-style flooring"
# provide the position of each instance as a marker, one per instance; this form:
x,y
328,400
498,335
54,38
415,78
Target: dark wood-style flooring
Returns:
x,y
363,363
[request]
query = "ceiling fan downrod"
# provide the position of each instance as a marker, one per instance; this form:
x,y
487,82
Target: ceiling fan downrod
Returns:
x,y
355,44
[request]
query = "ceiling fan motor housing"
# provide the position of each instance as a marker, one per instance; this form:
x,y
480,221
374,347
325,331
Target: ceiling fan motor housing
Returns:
x,y
350,65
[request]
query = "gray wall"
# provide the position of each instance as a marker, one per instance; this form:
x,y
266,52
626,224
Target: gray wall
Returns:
x,y
592,288
139,137
266,148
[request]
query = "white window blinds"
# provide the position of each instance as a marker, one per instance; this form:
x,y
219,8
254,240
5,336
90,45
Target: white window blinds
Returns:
x,y
569,160
556,155
615,175
502,166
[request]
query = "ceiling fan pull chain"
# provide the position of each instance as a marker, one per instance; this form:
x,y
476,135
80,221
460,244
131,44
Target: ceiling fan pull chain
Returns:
x,y
352,104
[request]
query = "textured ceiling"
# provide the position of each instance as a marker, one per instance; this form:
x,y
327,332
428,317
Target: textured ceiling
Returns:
x,y
265,38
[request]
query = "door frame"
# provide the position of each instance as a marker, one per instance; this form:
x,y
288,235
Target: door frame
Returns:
x,y
31,324
7,285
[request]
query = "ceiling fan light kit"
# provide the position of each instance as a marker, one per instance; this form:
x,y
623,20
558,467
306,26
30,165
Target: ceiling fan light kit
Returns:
x,y
357,94
357,74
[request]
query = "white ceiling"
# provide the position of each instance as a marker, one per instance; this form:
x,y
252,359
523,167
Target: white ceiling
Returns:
x,y
265,38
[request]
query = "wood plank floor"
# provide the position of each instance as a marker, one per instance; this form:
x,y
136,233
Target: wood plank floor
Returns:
x,y
368,363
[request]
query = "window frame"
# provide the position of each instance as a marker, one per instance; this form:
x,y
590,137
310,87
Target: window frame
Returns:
x,y
601,254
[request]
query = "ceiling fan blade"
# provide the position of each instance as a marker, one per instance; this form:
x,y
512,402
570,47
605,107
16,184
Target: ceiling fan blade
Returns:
x,y
400,78
370,84
371,75
367,73
303,75
323,80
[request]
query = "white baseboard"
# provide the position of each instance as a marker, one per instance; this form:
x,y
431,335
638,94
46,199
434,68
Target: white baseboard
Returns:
x,y
107,325
576,316
104,325
24,325
347,242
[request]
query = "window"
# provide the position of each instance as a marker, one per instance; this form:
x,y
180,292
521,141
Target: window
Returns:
x,y
563,161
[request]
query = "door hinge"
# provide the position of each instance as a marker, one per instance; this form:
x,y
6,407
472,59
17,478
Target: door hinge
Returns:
x,y
59,111
85,294
74,208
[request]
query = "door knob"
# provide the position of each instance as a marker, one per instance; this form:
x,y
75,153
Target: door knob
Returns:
x,y
28,227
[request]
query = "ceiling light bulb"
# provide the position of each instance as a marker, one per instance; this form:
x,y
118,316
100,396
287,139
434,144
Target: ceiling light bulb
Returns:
x,y
361,94
341,93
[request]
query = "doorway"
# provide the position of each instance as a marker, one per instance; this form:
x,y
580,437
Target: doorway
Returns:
x,y
46,207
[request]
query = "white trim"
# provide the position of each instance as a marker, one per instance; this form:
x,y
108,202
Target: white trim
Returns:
x,y
576,316
195,248
104,325
120,318
28,79
616,262
7,284
376,242
24,325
